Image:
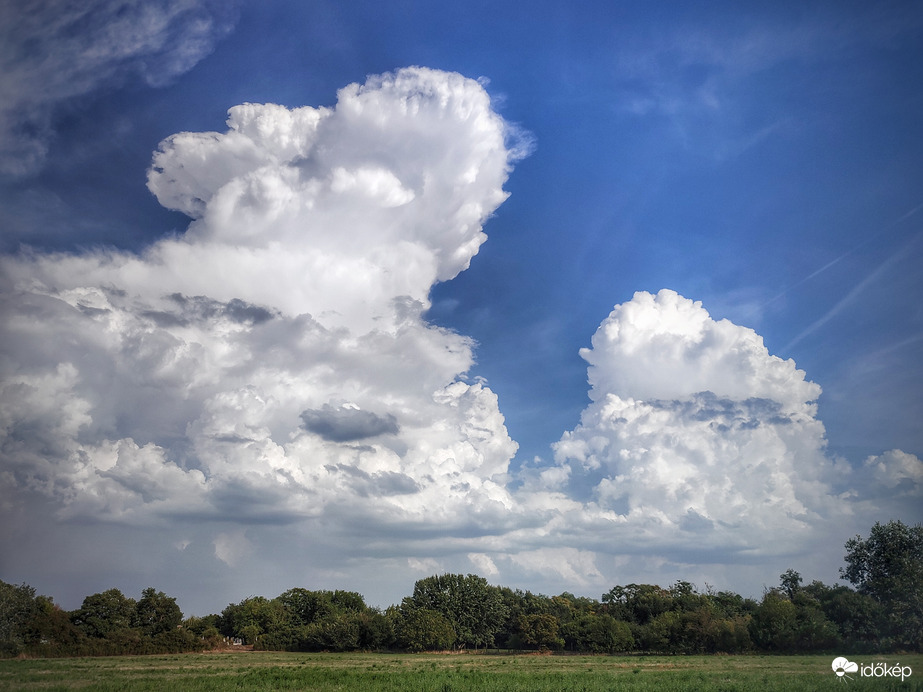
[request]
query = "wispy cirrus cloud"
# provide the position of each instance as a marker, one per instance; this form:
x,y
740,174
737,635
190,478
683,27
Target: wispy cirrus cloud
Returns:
x,y
699,76
853,294
52,51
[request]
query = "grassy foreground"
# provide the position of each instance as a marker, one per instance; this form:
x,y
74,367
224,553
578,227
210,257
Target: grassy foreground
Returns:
x,y
443,672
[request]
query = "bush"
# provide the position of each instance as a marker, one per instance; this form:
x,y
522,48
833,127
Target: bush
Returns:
x,y
598,634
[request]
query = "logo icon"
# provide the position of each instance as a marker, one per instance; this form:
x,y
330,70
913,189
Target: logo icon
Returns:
x,y
841,666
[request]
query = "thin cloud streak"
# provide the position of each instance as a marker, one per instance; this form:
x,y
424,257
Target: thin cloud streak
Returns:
x,y
853,294
846,254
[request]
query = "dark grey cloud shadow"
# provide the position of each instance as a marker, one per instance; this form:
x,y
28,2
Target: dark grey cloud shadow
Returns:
x,y
342,424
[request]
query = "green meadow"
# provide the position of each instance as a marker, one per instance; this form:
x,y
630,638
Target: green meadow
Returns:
x,y
370,672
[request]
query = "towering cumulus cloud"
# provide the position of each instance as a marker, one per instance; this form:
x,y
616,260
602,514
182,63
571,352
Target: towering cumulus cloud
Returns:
x,y
698,441
272,364
347,210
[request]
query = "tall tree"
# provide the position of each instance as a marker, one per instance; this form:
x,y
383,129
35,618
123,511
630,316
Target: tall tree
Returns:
x,y
888,566
305,607
640,603
105,614
17,604
156,612
251,618
474,607
790,582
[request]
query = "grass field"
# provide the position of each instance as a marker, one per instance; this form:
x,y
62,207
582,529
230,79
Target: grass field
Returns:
x,y
443,672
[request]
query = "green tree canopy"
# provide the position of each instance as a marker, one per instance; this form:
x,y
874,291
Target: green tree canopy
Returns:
x,y
790,582
251,618
102,615
17,604
421,629
474,608
156,612
598,633
305,607
640,603
888,566
540,631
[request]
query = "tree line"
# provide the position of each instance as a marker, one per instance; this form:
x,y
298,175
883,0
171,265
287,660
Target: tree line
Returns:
x,y
883,612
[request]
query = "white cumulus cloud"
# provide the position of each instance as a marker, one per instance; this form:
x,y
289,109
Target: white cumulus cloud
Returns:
x,y
699,440
264,390
272,364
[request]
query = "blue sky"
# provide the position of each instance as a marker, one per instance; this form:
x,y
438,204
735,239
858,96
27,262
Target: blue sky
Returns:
x,y
761,159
